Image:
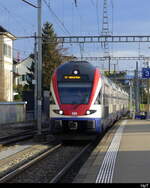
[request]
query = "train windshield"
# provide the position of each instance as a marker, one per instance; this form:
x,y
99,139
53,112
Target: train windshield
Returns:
x,y
74,92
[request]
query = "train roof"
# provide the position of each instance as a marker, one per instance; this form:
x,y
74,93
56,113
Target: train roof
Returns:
x,y
70,64
83,67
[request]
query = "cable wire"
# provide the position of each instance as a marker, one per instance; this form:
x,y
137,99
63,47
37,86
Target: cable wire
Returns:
x,y
53,13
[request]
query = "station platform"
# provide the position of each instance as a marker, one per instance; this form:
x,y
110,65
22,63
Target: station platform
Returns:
x,y
122,156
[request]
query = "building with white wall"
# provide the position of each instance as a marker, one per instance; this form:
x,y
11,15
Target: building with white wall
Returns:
x,y
6,65
21,69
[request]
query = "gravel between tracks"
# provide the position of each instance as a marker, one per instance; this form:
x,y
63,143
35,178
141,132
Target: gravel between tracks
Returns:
x,y
45,170
10,163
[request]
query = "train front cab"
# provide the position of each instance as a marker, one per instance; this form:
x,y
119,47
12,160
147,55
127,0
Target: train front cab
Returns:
x,y
89,123
74,96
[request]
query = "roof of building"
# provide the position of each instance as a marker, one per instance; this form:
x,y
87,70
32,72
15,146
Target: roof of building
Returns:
x,y
29,58
3,31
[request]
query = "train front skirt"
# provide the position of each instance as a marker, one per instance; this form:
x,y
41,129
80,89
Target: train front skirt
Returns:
x,y
76,124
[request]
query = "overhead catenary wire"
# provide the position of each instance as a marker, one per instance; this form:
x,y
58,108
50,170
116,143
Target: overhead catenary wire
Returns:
x,y
18,20
92,2
25,52
16,17
30,3
57,18
62,23
80,17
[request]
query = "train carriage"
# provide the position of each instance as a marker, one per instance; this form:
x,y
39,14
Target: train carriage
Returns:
x,y
83,99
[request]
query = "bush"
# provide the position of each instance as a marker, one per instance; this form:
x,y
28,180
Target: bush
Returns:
x,y
17,98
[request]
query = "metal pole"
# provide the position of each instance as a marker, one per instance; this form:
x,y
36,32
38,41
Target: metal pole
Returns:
x,y
148,99
131,110
114,68
148,95
109,64
39,79
137,89
35,78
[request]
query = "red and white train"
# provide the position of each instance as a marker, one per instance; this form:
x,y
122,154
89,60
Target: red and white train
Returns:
x,y
83,99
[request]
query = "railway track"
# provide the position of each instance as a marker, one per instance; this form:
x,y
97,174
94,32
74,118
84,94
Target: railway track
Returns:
x,y
68,166
49,167
20,136
56,164
52,165
11,175
6,140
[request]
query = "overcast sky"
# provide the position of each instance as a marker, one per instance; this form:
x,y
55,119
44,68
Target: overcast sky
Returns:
x,y
125,17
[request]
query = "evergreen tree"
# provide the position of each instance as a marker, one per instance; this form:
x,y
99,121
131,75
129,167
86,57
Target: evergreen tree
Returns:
x,y
30,77
51,54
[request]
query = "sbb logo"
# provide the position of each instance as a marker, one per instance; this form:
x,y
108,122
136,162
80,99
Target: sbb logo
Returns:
x,y
74,113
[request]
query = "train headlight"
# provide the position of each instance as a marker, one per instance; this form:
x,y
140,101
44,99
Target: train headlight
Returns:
x,y
61,112
88,112
76,72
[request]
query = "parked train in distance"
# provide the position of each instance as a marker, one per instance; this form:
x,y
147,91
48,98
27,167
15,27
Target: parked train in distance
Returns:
x,y
82,99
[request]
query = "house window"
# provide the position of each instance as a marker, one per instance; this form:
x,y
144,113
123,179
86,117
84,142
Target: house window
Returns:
x,y
23,77
7,50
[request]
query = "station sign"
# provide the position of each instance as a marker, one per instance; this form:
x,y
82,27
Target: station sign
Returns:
x,y
146,73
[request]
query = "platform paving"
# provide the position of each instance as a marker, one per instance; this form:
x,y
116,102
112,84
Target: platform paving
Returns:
x,y
122,156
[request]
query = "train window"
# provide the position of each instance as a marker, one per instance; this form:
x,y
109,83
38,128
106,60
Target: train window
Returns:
x,y
74,92
99,98
105,99
97,101
52,101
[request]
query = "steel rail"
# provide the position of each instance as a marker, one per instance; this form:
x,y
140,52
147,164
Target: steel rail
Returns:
x,y
69,165
23,167
5,140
